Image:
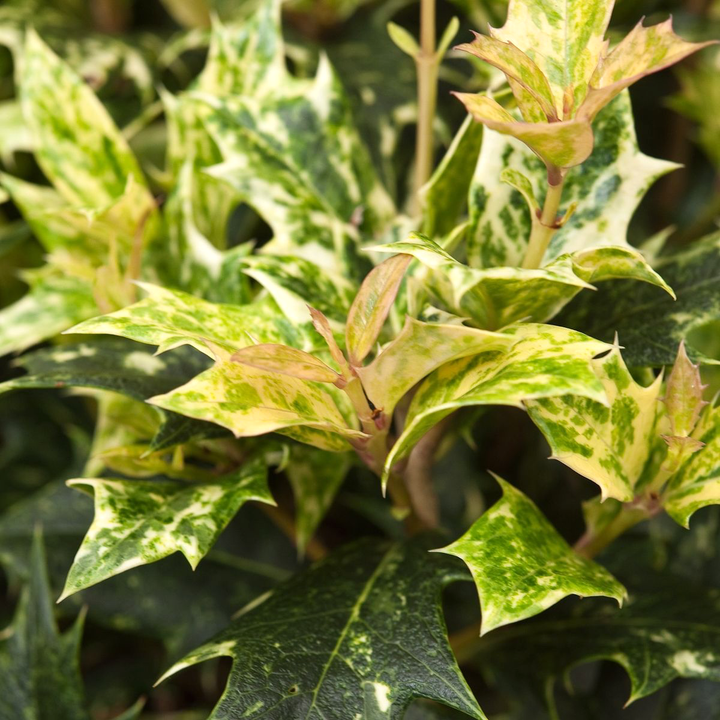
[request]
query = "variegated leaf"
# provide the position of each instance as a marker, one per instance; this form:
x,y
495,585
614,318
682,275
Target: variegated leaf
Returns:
x,y
52,305
445,195
295,283
419,349
315,478
522,566
607,443
169,318
286,361
343,640
643,51
252,402
496,297
559,144
371,306
697,483
565,39
684,395
650,324
141,521
76,142
544,361
617,174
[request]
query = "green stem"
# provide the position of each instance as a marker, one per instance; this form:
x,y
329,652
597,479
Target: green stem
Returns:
x,y
546,226
426,62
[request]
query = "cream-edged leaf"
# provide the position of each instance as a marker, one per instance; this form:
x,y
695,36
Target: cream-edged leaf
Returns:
x,y
169,318
252,402
557,144
543,361
286,360
522,566
141,521
607,443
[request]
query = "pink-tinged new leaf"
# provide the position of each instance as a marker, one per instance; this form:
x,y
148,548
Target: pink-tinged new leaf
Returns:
x,y
684,395
322,325
558,144
518,67
645,50
286,361
372,305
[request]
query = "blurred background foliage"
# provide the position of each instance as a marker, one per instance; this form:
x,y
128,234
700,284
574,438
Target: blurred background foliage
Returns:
x,y
138,622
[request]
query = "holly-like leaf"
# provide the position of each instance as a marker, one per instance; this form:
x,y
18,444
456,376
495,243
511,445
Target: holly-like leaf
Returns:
x,y
170,318
371,306
697,483
39,668
372,640
607,443
138,522
684,395
522,566
76,142
616,174
643,51
445,195
251,402
543,361
419,349
651,325
559,144
53,304
315,479
657,636
564,39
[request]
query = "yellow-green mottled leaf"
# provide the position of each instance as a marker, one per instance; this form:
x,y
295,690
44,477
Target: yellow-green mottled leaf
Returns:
x,y
697,483
169,318
53,304
616,175
141,521
558,144
371,306
315,478
684,394
564,38
643,51
286,361
517,66
76,142
543,361
358,635
522,566
607,443
419,349
251,402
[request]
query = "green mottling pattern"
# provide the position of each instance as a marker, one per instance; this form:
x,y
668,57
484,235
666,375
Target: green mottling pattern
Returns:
x,y
563,37
53,304
252,402
607,443
139,521
359,634
76,143
315,478
520,564
544,361
649,324
616,174
169,318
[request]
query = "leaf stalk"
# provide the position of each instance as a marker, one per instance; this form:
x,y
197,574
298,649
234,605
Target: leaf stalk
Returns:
x,y
546,226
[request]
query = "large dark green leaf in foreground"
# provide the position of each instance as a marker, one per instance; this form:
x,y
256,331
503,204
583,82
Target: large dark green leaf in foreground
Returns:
x,y
659,635
358,635
39,668
649,323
